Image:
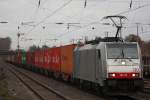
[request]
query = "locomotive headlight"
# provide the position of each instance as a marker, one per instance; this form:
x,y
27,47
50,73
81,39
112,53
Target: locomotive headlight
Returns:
x,y
133,75
113,75
123,62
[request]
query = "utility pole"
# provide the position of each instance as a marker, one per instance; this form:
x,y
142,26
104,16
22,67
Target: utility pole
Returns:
x,y
18,46
137,25
18,35
106,34
72,41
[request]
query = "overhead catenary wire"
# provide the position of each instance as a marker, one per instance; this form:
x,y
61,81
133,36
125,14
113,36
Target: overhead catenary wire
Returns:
x,y
7,20
139,1
146,5
131,4
78,29
134,9
39,3
90,23
54,12
38,6
64,5
85,3
61,35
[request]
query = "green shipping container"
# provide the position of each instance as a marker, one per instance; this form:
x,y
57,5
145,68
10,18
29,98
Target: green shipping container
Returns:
x,y
23,57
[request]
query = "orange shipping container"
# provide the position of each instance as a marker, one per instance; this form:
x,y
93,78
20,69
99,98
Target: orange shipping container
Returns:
x,y
67,59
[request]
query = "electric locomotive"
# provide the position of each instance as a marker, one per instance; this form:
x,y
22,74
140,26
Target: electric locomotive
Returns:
x,y
110,65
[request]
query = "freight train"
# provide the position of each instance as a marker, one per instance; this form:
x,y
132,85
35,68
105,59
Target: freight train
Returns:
x,y
103,65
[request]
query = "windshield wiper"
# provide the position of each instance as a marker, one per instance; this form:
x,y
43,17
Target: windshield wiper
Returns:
x,y
120,55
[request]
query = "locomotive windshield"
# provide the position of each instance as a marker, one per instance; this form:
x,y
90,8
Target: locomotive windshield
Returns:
x,y
122,51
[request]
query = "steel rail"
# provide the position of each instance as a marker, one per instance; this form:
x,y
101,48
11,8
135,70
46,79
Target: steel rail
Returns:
x,y
45,86
28,86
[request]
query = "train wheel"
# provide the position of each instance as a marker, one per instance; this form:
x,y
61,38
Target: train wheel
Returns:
x,y
46,72
56,75
98,90
65,77
104,90
81,84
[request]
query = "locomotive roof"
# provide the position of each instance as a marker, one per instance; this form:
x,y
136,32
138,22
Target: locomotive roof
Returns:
x,y
95,46
86,47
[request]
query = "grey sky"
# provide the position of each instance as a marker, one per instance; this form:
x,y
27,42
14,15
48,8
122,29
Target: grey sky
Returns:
x,y
18,11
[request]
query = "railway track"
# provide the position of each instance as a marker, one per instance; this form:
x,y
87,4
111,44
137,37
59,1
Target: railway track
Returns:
x,y
42,91
146,90
146,86
121,97
69,91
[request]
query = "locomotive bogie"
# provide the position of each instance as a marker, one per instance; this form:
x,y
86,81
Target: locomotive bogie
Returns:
x,y
125,84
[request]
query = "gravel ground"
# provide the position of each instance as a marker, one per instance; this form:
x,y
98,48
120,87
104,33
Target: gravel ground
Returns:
x,y
15,88
143,96
73,92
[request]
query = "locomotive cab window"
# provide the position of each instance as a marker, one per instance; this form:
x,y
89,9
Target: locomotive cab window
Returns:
x,y
122,51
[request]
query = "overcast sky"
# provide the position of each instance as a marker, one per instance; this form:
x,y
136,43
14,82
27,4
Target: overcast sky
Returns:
x,y
40,20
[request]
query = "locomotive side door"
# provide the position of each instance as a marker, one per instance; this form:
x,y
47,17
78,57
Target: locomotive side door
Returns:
x,y
98,72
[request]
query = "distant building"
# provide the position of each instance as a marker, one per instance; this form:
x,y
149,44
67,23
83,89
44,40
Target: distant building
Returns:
x,y
5,43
